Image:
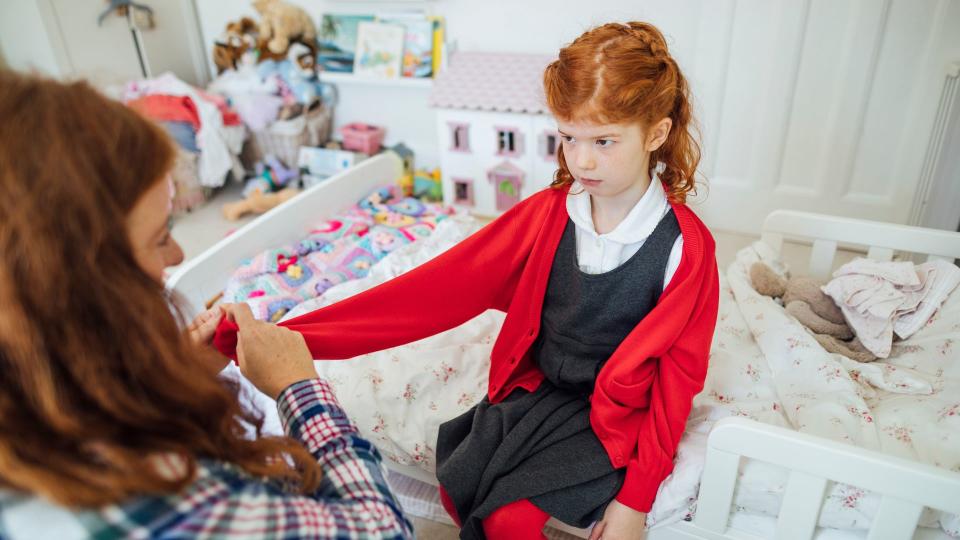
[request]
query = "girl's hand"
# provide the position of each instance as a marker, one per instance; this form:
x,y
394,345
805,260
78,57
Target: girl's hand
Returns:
x,y
270,356
202,328
620,522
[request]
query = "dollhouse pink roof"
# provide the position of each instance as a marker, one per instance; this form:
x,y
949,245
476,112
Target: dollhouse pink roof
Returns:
x,y
500,82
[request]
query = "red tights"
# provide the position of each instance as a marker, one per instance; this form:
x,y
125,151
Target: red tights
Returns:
x,y
519,520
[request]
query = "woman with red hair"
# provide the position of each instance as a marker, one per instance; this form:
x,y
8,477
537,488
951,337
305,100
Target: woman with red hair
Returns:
x,y
113,421
610,287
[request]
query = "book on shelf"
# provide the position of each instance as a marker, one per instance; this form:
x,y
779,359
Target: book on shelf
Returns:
x,y
379,50
417,42
376,54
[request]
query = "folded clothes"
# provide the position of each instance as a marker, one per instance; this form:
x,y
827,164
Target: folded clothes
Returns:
x,y
168,108
183,133
879,299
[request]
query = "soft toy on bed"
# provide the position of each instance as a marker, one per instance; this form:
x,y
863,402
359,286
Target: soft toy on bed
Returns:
x,y
803,299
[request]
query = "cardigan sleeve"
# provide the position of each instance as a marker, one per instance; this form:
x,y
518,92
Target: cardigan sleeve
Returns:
x,y
680,375
479,273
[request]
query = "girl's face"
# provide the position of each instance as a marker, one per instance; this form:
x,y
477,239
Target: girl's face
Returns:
x,y
610,159
149,231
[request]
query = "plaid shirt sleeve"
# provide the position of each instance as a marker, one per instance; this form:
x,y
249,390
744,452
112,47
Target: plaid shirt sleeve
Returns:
x,y
352,502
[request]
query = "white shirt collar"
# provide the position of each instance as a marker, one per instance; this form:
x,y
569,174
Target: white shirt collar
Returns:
x,y
635,227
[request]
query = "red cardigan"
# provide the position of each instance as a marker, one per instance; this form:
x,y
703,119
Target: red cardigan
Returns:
x,y
643,393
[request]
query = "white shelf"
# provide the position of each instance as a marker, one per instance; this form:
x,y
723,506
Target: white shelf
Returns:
x,y
350,78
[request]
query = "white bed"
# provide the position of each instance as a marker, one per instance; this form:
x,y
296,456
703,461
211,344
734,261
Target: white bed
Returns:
x,y
809,463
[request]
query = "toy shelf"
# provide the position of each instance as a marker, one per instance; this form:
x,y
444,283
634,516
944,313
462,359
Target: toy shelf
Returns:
x,y
350,78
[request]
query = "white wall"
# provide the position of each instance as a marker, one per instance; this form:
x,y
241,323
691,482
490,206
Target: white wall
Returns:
x,y
531,26
818,105
24,39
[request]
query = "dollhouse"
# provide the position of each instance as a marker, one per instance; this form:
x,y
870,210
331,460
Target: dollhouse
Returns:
x,y
498,143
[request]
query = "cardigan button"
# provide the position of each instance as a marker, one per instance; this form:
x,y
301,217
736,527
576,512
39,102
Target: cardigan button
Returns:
x,y
533,332
513,359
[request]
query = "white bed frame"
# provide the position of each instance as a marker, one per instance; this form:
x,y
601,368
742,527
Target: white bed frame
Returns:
x,y
905,486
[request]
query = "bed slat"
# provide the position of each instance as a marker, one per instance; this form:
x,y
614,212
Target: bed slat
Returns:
x,y
821,258
880,254
800,508
896,519
716,490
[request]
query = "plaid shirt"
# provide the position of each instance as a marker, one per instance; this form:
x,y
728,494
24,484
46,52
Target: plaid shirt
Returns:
x,y
352,502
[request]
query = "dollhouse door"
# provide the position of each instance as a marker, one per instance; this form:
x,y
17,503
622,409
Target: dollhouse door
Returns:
x,y
507,180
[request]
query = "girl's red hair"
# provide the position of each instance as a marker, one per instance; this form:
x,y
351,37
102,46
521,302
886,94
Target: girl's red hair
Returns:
x,y
622,73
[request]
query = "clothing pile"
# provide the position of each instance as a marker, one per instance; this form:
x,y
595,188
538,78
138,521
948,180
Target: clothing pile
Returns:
x,y
208,131
880,299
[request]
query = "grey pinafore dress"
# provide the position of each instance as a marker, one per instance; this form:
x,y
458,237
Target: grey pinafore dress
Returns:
x,y
539,445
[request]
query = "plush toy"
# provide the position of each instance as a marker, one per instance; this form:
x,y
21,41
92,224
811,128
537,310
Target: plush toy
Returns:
x,y
273,171
803,299
281,22
238,38
257,202
270,187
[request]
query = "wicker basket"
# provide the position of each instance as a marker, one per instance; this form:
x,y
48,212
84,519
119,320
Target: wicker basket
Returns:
x,y
188,193
284,138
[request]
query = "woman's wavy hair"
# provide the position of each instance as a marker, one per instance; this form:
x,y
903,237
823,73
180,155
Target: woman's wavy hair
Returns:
x,y
619,73
97,378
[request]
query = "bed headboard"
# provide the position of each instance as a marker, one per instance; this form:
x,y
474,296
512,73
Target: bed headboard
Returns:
x,y
880,240
203,277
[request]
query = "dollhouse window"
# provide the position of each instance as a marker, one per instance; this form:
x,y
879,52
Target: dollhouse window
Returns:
x,y
508,142
549,145
463,191
459,137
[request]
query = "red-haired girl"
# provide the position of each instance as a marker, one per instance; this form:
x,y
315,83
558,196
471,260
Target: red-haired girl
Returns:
x,y
610,287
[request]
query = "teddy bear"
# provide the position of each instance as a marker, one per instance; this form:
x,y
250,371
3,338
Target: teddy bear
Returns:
x,y
803,299
281,22
257,202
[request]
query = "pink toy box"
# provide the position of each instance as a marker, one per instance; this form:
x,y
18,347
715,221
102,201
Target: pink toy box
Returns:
x,y
361,137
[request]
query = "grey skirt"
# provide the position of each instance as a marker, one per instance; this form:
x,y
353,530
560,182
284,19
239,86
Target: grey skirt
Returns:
x,y
537,446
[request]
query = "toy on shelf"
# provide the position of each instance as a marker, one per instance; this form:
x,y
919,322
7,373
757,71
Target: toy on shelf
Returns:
x,y
427,185
360,137
406,179
281,23
241,45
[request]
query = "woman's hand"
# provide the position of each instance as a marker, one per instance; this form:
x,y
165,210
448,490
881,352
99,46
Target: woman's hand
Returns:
x,y
202,328
620,522
270,356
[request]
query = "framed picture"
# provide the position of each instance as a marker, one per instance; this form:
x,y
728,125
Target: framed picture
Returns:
x,y
338,41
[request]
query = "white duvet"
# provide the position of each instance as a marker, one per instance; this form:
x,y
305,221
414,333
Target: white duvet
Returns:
x,y
763,366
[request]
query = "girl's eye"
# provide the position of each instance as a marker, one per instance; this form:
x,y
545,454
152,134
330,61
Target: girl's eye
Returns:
x,y
604,143
165,240
566,138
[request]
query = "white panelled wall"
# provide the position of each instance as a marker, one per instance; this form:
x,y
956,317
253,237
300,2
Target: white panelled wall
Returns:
x,y
817,105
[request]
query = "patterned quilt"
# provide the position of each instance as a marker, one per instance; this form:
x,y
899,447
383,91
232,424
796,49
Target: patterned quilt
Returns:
x,y
337,250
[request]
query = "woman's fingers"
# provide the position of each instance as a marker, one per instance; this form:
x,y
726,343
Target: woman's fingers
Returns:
x,y
202,328
239,313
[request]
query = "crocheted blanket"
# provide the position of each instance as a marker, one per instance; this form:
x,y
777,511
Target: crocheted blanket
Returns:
x,y
337,250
